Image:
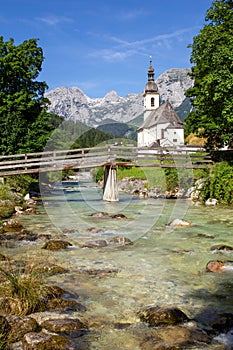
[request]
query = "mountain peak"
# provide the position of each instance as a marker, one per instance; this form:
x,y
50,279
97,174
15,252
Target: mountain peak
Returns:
x,y
111,96
73,103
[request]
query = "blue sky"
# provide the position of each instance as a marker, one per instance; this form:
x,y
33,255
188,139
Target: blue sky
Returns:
x,y
100,45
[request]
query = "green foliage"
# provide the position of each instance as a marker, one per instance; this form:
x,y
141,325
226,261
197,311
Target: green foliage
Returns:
x,y
24,123
71,135
20,183
217,183
133,172
98,174
221,182
91,138
212,93
6,193
172,178
119,129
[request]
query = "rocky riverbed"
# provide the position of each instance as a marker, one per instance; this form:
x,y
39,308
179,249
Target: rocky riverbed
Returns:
x,y
104,290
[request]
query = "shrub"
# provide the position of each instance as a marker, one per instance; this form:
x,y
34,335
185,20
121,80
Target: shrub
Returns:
x,y
221,182
218,183
20,183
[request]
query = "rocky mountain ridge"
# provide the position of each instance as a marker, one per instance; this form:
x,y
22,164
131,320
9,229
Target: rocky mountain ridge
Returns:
x,y
73,103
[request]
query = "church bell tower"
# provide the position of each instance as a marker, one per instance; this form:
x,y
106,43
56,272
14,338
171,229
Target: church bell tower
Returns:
x,y
151,94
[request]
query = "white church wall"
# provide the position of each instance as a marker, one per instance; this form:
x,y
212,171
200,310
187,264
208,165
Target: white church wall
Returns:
x,y
176,136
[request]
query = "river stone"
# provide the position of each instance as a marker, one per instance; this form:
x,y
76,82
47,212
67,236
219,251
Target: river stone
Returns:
x,y
23,235
218,320
94,230
64,325
120,240
100,214
56,245
218,266
12,226
54,292
98,272
60,304
44,341
118,216
174,337
156,315
180,222
221,247
211,201
19,326
29,211
50,269
99,243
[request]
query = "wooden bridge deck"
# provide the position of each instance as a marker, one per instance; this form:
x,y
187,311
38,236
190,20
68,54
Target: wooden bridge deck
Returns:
x,y
101,156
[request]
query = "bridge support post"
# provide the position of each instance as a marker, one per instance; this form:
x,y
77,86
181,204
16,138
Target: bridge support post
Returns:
x,y
110,191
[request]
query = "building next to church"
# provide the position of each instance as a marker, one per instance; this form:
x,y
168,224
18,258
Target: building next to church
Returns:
x,y
161,127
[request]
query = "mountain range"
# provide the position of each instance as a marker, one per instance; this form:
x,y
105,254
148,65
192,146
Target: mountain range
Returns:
x,y
73,104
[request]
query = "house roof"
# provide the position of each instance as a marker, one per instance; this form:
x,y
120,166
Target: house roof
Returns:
x,y
162,115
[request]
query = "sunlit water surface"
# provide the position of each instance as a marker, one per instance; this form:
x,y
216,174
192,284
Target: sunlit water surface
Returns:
x,y
164,266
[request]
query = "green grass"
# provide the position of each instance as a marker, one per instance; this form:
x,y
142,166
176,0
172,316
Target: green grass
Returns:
x,y
164,178
21,290
154,176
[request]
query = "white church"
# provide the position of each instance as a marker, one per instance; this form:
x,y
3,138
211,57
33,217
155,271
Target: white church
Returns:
x,y
162,126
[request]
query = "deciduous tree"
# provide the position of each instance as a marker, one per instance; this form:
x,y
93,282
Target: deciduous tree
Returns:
x,y
24,123
212,71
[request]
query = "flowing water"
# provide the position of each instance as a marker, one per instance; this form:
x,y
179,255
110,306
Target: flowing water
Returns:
x,y
163,266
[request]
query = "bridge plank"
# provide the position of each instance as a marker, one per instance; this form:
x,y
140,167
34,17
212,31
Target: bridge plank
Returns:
x,y
99,156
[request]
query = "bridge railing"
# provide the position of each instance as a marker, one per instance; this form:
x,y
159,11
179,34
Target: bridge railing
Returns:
x,y
98,156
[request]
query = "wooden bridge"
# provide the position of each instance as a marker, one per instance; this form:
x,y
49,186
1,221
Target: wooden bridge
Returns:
x,y
106,155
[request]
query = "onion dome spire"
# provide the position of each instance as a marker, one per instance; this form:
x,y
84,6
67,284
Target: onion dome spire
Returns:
x,y
151,86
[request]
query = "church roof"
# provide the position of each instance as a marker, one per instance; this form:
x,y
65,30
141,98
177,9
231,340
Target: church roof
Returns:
x,y
162,115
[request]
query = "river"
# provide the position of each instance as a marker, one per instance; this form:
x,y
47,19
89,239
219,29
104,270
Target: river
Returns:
x,y
163,266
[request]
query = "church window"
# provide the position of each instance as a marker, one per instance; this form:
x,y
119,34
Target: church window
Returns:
x,y
152,101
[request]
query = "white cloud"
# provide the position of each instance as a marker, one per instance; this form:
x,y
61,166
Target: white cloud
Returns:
x,y
53,20
124,48
131,15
